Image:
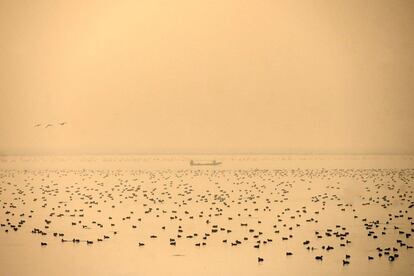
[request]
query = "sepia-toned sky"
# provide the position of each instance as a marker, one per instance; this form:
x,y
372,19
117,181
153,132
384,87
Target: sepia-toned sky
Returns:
x,y
191,76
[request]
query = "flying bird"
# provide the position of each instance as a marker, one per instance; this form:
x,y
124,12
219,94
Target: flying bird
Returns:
x,y
63,123
48,125
37,125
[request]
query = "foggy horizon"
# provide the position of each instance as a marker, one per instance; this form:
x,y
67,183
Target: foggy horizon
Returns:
x,y
296,154
220,137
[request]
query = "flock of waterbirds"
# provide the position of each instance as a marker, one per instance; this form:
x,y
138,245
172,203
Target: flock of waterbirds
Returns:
x,y
254,208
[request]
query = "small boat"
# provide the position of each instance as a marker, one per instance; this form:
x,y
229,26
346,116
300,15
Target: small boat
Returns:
x,y
204,163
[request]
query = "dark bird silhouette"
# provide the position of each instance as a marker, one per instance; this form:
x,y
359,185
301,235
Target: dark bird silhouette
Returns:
x,y
48,125
345,262
37,125
63,123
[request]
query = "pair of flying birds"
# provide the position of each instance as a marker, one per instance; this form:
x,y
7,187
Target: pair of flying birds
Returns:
x,y
50,125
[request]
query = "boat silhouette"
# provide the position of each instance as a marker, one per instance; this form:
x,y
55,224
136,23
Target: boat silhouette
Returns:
x,y
204,163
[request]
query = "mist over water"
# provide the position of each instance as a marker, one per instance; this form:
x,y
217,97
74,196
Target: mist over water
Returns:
x,y
141,137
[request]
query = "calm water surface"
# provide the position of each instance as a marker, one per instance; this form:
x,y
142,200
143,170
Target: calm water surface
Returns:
x,y
157,215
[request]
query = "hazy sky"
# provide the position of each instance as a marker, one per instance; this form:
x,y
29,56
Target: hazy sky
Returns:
x,y
190,76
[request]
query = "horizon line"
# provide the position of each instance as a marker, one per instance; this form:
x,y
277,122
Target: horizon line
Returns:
x,y
205,153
